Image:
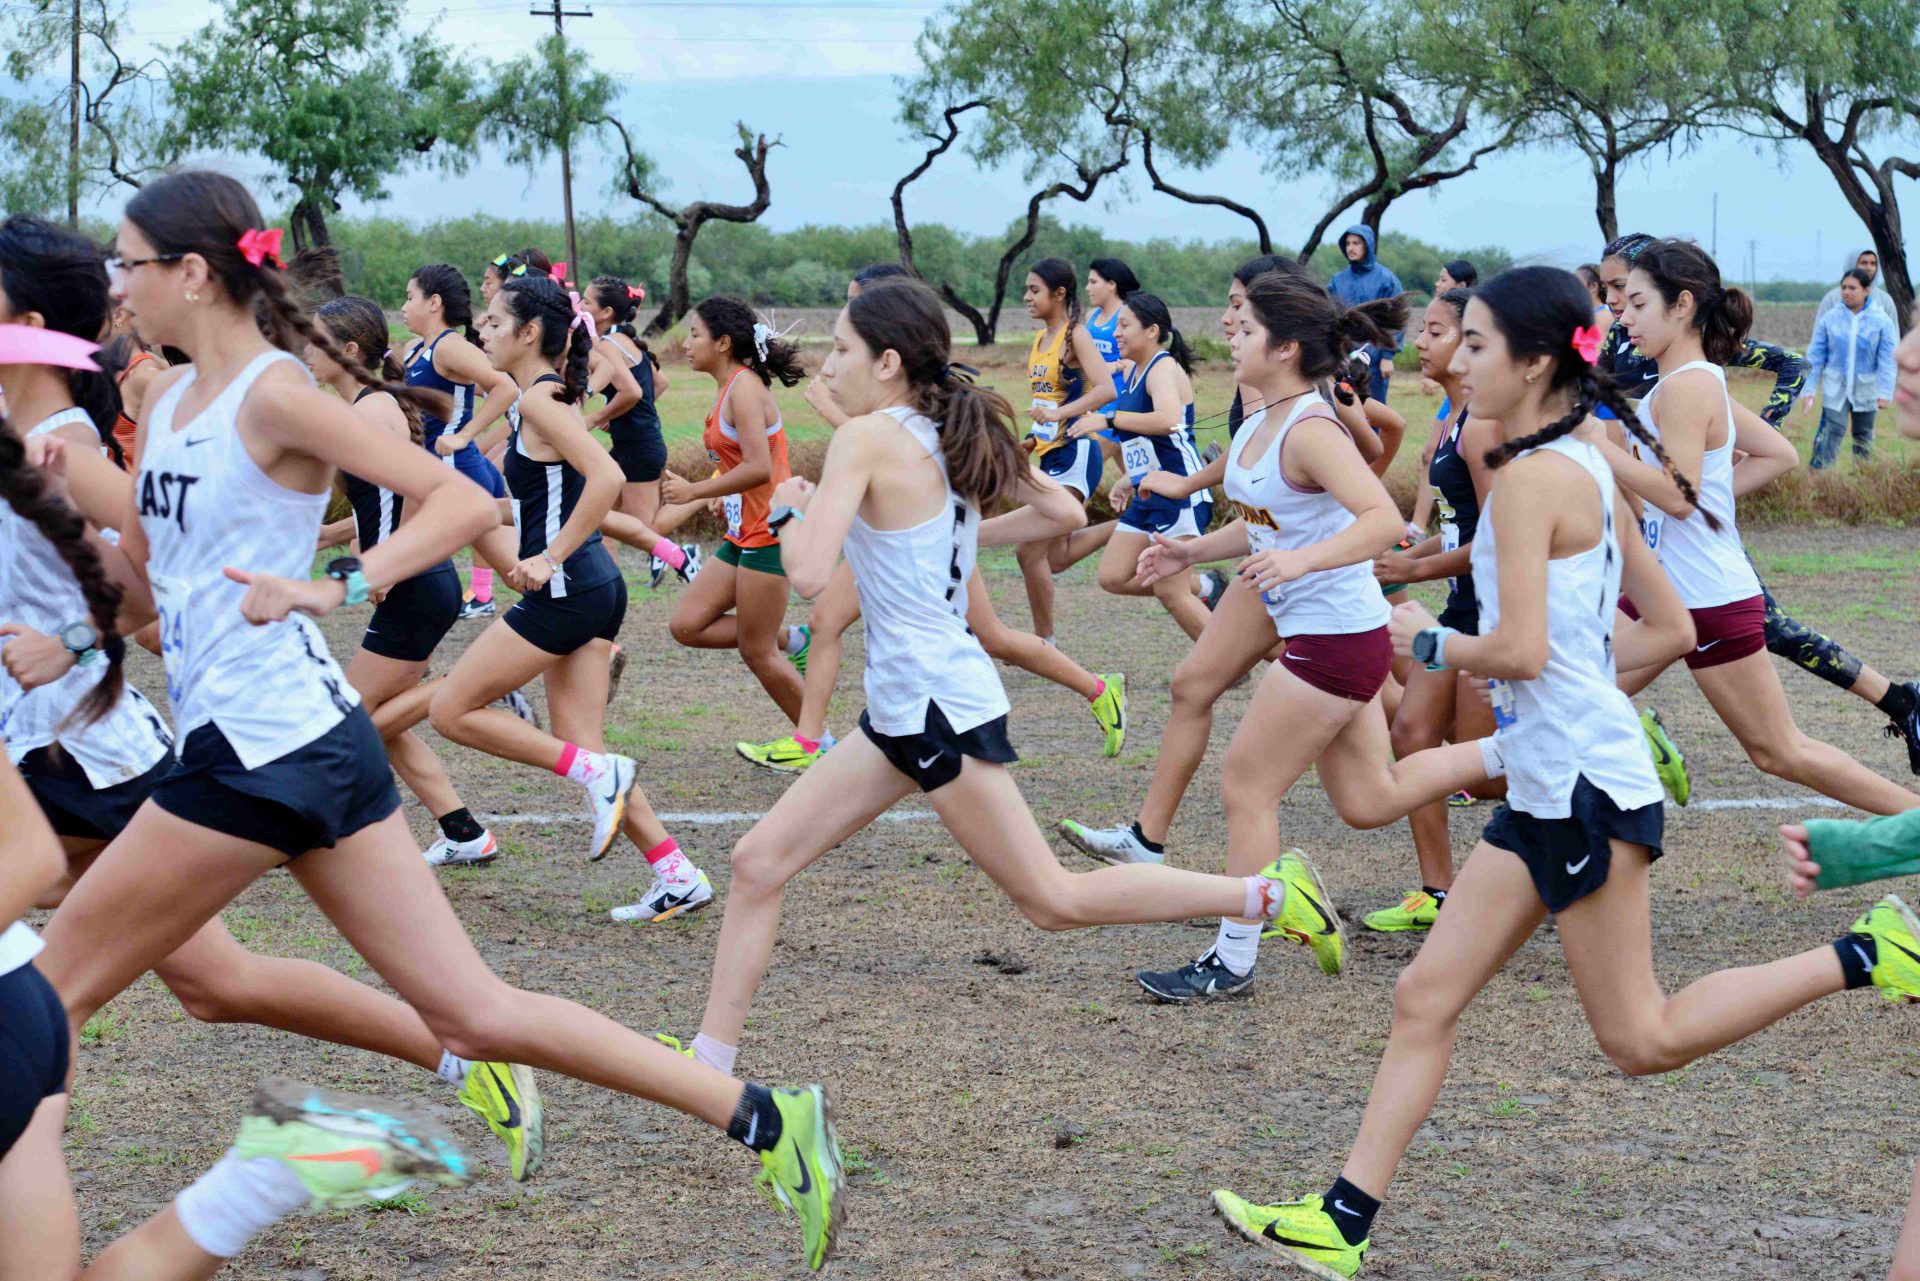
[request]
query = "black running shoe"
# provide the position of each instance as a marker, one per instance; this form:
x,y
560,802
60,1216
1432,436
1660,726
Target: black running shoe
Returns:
x,y
1909,729
1207,979
1213,585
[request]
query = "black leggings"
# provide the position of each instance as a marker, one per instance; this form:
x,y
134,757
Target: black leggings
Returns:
x,y
1800,645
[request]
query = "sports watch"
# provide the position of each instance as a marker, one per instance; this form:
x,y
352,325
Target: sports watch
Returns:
x,y
346,569
82,641
1430,647
781,515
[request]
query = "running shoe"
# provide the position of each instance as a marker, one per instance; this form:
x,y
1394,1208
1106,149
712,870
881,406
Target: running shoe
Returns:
x,y
690,568
673,1043
517,703
799,660
782,755
1109,844
1301,1232
471,608
1909,729
505,1096
656,571
349,1149
1417,911
1462,800
666,900
608,796
1896,937
616,668
1213,585
1668,762
1307,914
447,852
1197,982
803,1170
1110,712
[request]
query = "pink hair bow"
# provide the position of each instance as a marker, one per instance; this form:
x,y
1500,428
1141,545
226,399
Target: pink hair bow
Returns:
x,y
257,246
557,273
32,345
1587,342
582,317
637,294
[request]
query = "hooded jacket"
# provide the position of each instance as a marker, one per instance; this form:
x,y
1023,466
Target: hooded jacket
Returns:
x,y
1366,280
1877,298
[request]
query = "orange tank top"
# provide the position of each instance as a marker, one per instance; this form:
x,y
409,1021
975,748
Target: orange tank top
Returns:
x,y
746,512
125,429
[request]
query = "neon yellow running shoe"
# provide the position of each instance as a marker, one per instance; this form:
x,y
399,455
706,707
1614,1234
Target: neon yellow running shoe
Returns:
x,y
1668,762
1896,938
349,1149
1417,911
673,1043
1301,1232
1308,915
782,755
1110,710
505,1096
803,1170
799,660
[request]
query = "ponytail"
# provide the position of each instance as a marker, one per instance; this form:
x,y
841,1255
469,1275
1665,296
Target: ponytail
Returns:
x,y
1722,314
751,341
1153,314
1295,309
359,321
443,280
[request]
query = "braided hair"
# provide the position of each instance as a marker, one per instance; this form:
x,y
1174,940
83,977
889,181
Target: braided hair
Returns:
x,y
1537,310
537,300
27,492
196,211
353,319
727,317
443,280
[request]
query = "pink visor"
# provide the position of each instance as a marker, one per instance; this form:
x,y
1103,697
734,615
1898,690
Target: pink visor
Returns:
x,y
29,345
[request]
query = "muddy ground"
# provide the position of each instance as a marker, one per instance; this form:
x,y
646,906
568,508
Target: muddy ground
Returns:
x,y
1010,1103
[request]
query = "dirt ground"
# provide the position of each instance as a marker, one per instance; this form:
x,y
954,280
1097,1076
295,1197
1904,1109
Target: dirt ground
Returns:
x,y
1011,1105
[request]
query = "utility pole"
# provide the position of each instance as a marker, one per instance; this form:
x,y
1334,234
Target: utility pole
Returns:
x,y
560,14
73,136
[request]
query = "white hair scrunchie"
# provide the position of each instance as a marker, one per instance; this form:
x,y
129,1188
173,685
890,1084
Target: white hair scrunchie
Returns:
x,y
762,331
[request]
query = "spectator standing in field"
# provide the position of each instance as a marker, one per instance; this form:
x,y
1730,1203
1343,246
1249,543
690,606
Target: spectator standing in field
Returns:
x,y
1363,280
1869,262
1459,273
1851,360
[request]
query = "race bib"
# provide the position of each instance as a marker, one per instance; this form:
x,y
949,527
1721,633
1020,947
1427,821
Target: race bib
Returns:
x,y
1449,536
732,506
1045,431
1501,695
1136,455
1650,528
170,597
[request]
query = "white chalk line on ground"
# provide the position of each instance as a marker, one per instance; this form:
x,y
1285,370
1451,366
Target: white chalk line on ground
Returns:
x,y
721,818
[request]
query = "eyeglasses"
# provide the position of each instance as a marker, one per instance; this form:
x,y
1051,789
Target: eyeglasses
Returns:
x,y
118,267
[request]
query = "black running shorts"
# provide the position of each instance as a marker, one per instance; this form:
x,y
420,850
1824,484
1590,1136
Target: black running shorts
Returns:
x,y
932,758
1569,858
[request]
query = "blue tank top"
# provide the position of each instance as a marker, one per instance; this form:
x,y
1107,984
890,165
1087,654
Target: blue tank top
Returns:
x,y
544,495
643,420
1140,454
421,373
1102,331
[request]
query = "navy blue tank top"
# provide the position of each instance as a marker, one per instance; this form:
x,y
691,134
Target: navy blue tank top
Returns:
x,y
643,420
421,373
1457,506
1139,453
544,495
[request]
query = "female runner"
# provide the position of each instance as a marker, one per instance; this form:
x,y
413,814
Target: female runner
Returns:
x,y
1153,423
279,764
1061,351
1582,823
412,618
443,360
52,278
738,602
838,608
138,366
1109,283
902,490
1437,707
1679,314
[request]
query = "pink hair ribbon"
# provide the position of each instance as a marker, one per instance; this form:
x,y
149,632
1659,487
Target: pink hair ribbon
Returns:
x,y
257,246
32,345
582,318
1587,342
557,273
637,295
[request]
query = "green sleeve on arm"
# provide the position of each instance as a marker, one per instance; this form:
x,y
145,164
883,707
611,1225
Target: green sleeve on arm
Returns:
x,y
1851,853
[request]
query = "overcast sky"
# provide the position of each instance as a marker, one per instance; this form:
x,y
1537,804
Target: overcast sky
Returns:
x,y
820,73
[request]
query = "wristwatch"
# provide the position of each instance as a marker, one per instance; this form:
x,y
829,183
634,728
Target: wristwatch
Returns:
x,y
781,515
1430,647
346,569
82,641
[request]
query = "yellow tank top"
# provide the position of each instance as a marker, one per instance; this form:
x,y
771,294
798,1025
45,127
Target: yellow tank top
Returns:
x,y
1048,375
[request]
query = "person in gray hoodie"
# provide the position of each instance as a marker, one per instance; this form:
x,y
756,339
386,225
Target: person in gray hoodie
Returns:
x,y
1364,279
1866,260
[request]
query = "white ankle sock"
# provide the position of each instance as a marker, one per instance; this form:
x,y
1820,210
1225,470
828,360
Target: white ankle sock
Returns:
x,y
1237,945
453,1068
715,1055
236,1200
1490,757
1265,898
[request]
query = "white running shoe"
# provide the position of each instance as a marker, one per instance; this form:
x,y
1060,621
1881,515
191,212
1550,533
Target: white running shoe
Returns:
x,y
1109,844
517,703
666,900
451,853
608,796
691,570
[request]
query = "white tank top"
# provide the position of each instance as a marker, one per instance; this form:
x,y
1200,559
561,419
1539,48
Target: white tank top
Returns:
x,y
1571,719
205,505
66,417
37,589
1281,516
913,597
18,945
1708,568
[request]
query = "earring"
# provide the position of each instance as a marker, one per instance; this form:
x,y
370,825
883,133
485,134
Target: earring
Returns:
x,y
1531,377
193,297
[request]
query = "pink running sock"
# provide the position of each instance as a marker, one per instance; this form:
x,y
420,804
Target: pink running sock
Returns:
x,y
578,765
806,744
669,551
482,580
1265,898
668,862
1099,688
